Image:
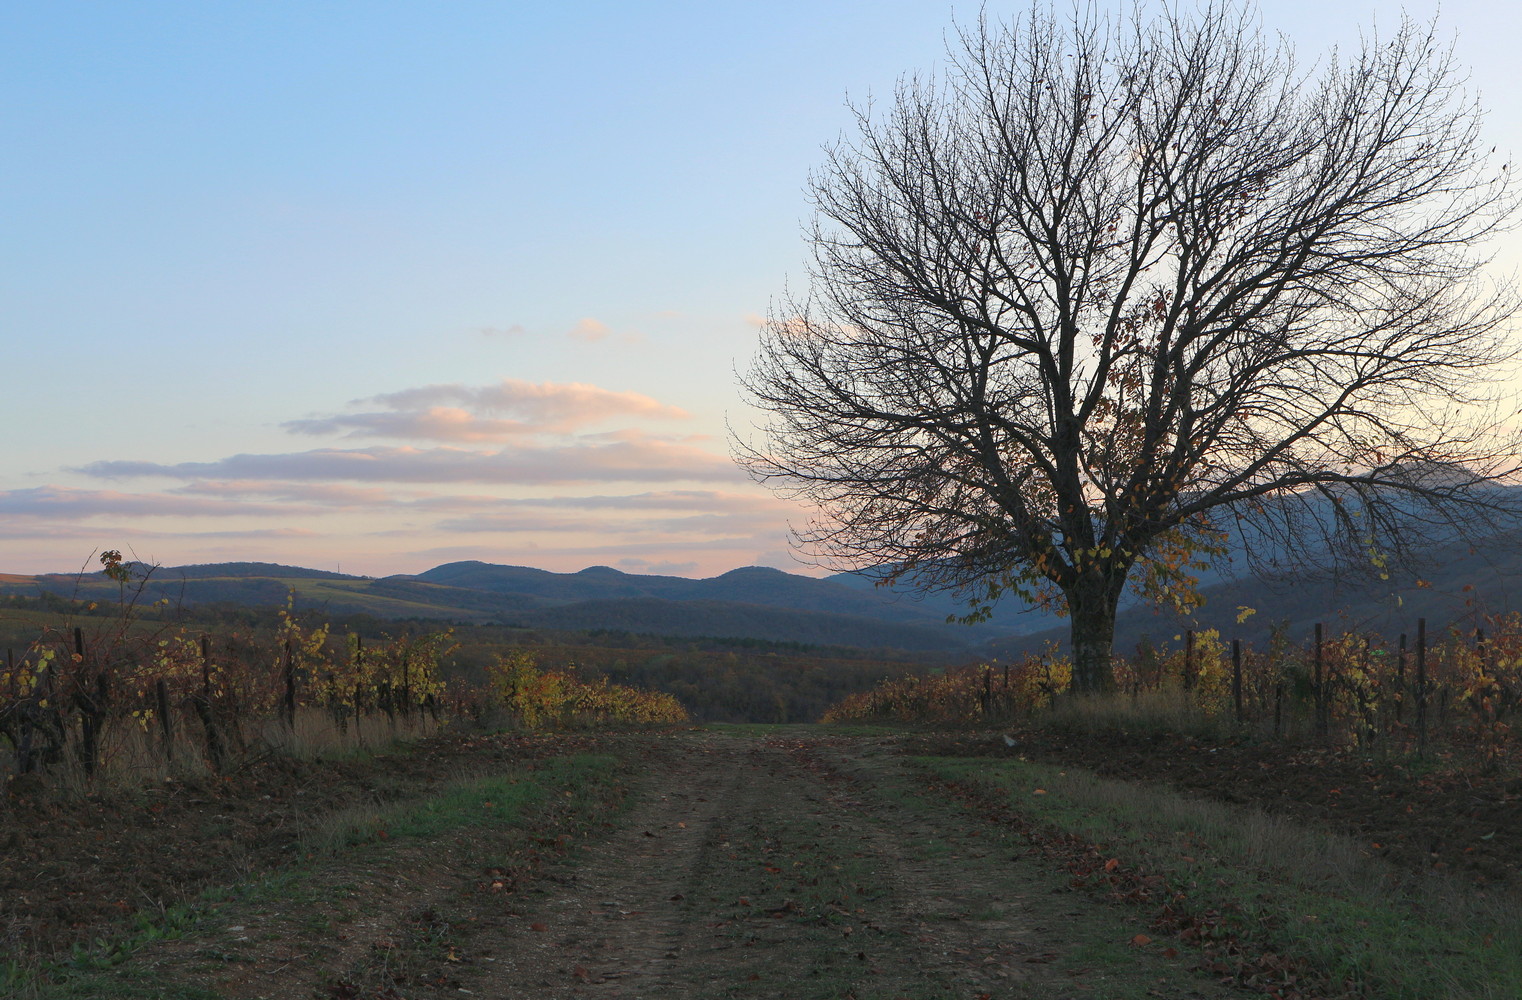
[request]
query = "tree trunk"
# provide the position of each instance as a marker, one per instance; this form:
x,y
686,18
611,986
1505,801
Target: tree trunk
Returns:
x,y
1091,607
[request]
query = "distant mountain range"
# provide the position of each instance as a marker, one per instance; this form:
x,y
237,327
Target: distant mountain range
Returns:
x,y
844,610
752,602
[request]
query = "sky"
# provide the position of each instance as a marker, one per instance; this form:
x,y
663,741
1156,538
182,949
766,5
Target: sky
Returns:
x,y
372,287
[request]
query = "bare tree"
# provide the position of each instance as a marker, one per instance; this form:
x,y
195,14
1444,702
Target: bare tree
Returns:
x,y
1109,288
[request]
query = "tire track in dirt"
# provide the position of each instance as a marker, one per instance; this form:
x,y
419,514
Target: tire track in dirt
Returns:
x,y
795,867
775,869
969,925
612,925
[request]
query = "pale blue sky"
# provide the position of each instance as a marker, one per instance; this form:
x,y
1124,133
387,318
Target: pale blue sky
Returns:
x,y
221,224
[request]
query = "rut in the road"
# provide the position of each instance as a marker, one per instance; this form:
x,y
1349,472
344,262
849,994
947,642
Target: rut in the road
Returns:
x,y
614,924
809,867
755,869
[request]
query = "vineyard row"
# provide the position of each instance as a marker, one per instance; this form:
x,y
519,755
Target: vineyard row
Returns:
x,y
71,701
1355,688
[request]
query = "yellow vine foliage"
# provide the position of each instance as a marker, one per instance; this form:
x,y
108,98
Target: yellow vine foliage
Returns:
x,y
556,698
960,696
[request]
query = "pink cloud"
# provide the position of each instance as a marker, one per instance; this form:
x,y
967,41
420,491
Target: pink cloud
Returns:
x,y
459,413
437,423
589,330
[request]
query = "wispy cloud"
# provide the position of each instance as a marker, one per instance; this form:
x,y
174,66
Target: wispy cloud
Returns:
x,y
706,501
511,408
649,460
60,502
317,494
277,533
660,567
555,404
100,538
539,521
557,474
691,526
711,555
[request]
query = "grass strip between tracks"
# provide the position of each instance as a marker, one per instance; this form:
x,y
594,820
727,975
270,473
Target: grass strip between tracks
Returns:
x,y
1268,900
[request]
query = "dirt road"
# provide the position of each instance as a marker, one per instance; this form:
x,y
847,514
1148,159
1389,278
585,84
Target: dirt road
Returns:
x,y
798,866
760,869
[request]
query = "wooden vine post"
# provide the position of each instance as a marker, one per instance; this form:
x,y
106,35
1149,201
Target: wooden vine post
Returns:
x,y
288,703
1188,659
406,705
91,705
1400,680
359,669
166,724
26,725
1236,677
203,703
1320,689
1421,685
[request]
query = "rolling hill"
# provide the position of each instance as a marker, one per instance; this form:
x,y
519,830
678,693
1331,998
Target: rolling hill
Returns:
x,y
760,603
753,602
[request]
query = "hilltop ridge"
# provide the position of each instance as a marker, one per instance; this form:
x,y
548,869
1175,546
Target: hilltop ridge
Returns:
x,y
757,602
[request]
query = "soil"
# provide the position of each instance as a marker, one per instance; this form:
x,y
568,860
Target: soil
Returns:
x,y
770,869
71,866
787,866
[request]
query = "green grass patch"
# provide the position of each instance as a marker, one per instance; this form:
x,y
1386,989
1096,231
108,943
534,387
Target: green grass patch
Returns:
x,y
493,800
580,790
1397,935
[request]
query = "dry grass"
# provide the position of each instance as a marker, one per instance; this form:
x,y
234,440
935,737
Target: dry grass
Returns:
x,y
133,755
1164,710
317,734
